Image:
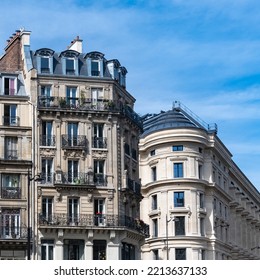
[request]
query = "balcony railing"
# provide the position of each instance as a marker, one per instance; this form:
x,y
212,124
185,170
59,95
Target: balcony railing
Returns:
x,y
11,192
47,140
81,178
11,154
79,141
9,232
99,142
88,104
134,186
91,220
47,178
11,121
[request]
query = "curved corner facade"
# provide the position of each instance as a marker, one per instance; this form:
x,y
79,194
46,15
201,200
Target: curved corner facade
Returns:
x,y
197,202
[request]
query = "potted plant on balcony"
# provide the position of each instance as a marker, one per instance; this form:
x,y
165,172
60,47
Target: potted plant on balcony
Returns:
x,y
62,102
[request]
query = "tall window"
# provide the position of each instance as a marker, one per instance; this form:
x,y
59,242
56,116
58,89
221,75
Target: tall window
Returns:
x,y
10,85
11,186
180,225
128,251
99,211
155,227
73,172
178,199
71,95
45,65
180,254
202,226
47,248
178,170
99,250
47,170
47,138
45,97
73,249
154,173
200,171
95,71
72,134
154,202
97,95
11,148
201,200
155,254
73,210
10,223
10,115
99,169
98,140
70,66
47,205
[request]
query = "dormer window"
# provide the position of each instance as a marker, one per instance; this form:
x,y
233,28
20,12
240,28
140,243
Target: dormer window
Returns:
x,y
9,86
95,64
45,61
70,62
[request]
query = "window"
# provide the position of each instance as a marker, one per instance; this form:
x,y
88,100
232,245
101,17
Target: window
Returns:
x,y
73,210
98,140
47,205
128,251
200,171
97,96
73,172
47,248
178,199
177,148
154,173
11,186
71,96
70,66
10,115
99,211
99,250
201,200
10,85
10,223
178,170
152,153
72,134
45,65
47,138
155,254
154,202
202,226
203,254
180,254
45,97
99,169
179,225
95,71
155,227
73,249
47,171
11,148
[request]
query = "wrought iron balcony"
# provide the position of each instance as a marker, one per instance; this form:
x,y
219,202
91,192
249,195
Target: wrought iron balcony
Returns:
x,y
11,121
69,142
99,142
11,192
47,178
10,232
11,154
134,186
89,104
81,178
94,220
47,140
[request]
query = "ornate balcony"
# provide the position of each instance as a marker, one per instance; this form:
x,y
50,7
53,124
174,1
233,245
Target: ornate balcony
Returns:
x,y
47,140
11,121
9,232
11,192
94,220
99,142
88,104
69,142
81,179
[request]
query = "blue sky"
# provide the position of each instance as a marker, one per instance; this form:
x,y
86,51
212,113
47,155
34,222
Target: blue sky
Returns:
x,y
203,53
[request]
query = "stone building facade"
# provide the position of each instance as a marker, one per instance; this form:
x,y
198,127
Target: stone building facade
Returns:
x,y
198,203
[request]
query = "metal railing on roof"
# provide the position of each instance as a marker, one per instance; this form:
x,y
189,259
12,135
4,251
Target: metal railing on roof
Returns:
x,y
192,116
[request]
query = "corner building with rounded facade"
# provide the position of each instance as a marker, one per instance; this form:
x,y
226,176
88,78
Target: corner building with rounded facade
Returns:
x,y
197,202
